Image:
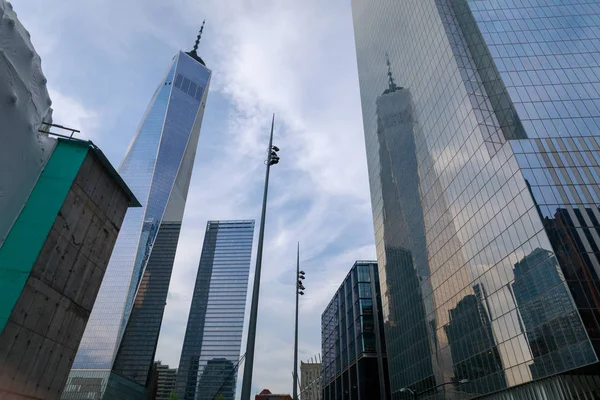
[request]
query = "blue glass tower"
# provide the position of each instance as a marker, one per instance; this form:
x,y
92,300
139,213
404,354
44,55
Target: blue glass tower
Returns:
x,y
483,143
211,348
123,328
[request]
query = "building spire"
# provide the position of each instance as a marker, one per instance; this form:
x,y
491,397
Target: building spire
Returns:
x,y
392,85
198,38
194,53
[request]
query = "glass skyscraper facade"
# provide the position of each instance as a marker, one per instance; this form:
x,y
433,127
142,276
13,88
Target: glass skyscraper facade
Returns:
x,y
354,364
482,131
123,328
211,348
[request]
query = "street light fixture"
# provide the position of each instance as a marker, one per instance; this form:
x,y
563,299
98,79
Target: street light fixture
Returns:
x,y
409,390
299,291
272,159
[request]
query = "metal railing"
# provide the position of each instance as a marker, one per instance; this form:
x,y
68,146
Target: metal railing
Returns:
x,y
64,128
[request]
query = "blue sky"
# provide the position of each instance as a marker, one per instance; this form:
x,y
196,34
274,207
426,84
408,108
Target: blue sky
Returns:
x,y
294,58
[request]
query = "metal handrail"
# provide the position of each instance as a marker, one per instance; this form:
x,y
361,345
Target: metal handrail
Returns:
x,y
47,132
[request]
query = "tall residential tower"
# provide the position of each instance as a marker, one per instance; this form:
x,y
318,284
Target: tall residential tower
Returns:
x,y
118,347
211,348
483,139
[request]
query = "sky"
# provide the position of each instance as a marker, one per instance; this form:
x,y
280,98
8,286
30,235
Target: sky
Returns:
x,y
293,58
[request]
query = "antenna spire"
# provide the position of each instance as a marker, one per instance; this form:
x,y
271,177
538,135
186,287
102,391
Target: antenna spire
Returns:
x,y
392,84
198,38
193,53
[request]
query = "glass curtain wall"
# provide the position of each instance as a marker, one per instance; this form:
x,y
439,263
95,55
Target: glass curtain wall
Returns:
x,y
481,122
354,356
213,337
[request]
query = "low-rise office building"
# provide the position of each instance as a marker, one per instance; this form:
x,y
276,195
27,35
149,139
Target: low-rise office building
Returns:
x,y
354,363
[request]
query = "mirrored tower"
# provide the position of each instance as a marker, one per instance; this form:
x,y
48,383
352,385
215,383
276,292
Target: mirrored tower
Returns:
x,y
483,165
211,348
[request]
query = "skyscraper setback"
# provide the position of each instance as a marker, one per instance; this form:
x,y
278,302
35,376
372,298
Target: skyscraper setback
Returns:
x,y
211,348
122,332
482,135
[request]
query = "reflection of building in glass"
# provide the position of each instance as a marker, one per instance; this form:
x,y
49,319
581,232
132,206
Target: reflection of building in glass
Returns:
x,y
496,95
405,258
266,394
575,234
471,339
352,338
123,329
217,378
139,341
406,316
310,380
408,307
549,321
211,348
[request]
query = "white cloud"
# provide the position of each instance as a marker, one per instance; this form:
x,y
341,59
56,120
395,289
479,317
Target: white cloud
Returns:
x,y
71,113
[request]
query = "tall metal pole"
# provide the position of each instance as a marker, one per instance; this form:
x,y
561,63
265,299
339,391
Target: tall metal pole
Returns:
x,y
249,363
295,390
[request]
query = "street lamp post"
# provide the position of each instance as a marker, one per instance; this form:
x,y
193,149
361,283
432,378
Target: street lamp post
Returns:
x,y
299,292
272,159
409,390
416,395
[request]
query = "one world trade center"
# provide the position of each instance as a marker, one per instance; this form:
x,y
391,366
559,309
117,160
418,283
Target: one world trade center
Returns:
x,y
118,347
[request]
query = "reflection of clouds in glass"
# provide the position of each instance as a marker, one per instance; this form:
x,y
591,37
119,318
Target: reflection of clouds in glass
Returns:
x,y
547,74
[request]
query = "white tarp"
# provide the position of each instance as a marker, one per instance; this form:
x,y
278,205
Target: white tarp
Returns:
x,y
24,106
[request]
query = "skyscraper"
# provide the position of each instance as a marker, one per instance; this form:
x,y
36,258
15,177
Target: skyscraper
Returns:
x,y
211,348
123,329
482,135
